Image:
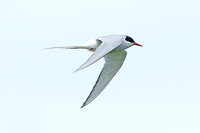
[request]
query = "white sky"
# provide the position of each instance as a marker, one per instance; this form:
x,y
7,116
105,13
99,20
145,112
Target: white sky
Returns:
x,y
156,91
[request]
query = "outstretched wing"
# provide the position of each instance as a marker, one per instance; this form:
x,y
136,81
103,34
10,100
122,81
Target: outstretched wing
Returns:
x,y
113,62
108,44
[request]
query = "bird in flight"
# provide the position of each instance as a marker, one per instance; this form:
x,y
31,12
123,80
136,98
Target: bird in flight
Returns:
x,y
112,48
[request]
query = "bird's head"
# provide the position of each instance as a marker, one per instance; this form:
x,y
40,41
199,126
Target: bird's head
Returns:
x,y
130,40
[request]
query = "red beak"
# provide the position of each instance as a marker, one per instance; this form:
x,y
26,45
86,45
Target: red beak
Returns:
x,y
137,44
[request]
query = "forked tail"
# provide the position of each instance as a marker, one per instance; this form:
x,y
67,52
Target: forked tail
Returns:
x,y
69,47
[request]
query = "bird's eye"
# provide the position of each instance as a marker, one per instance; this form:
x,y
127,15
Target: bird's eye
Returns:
x,y
129,39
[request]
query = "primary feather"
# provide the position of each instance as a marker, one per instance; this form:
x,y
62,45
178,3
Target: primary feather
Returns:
x,y
113,62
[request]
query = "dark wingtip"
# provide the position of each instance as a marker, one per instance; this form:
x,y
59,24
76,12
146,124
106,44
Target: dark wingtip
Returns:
x,y
82,106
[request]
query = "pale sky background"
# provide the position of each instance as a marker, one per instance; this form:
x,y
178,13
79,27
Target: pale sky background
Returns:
x,y
156,91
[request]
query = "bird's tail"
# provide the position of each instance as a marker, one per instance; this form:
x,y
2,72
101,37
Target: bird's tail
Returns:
x,y
69,47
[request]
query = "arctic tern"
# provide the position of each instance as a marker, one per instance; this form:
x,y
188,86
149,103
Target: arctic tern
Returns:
x,y
112,48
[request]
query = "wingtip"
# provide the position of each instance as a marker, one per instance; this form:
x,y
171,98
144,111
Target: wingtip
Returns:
x,y
83,105
80,68
76,70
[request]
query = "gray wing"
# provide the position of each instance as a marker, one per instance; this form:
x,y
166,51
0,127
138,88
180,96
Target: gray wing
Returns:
x,y
108,44
113,62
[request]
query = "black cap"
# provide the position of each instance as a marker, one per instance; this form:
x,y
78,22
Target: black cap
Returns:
x,y
129,39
